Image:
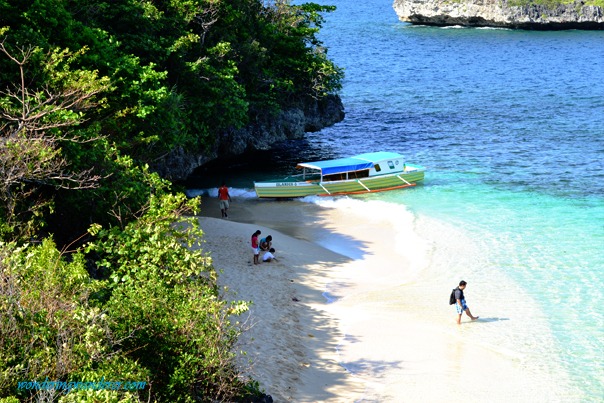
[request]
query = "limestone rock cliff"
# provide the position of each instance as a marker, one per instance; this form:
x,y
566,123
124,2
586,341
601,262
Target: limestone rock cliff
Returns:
x,y
261,135
501,13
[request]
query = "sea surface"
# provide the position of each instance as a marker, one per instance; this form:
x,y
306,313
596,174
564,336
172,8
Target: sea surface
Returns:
x,y
510,126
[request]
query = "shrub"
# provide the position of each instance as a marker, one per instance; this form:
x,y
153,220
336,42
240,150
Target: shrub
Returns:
x,y
152,313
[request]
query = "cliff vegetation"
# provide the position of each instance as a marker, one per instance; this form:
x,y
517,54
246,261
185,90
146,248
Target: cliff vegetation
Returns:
x,y
96,280
553,3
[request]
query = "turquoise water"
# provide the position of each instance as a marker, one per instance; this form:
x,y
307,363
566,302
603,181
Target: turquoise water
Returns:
x,y
510,125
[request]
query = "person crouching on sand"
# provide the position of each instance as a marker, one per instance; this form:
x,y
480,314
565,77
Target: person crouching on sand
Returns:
x,y
266,243
255,245
460,303
269,255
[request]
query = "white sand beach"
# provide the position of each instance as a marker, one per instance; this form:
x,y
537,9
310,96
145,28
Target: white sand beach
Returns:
x,y
384,338
292,342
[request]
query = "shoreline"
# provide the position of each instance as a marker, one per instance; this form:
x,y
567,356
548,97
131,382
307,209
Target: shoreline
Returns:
x,y
387,334
293,338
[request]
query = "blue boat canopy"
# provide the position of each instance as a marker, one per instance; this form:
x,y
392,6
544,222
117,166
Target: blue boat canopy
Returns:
x,y
350,164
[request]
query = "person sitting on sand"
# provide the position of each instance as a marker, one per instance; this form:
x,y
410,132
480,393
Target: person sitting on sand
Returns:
x,y
460,303
255,245
269,255
266,243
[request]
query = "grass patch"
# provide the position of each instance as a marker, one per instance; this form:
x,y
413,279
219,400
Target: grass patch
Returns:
x,y
551,3
597,3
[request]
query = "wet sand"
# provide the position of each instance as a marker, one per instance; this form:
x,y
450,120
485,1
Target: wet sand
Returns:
x,y
381,336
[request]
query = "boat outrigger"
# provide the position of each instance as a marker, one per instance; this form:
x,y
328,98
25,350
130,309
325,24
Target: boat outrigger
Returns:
x,y
364,173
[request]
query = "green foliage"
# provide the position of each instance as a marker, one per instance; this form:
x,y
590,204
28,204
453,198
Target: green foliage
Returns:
x,y
162,74
153,314
550,4
33,131
166,297
119,198
92,92
597,3
152,245
48,328
279,57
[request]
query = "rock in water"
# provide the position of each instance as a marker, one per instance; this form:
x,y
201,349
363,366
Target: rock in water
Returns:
x,y
516,14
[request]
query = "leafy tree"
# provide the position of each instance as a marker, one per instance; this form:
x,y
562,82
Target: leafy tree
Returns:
x,y
48,327
166,296
152,313
92,92
35,123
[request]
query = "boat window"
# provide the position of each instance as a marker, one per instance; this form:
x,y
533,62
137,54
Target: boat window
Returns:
x,y
377,167
346,175
359,174
334,177
391,164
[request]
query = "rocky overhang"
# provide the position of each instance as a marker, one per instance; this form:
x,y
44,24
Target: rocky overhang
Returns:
x,y
262,134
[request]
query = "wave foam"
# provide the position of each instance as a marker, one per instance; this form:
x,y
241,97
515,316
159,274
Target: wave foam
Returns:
x,y
213,192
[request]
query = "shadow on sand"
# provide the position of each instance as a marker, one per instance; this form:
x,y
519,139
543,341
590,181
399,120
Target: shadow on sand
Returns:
x,y
481,319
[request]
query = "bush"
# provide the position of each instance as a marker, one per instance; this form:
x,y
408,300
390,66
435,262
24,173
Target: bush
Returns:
x,y
152,314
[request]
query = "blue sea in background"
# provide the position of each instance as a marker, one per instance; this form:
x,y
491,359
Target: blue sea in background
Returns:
x,y
510,125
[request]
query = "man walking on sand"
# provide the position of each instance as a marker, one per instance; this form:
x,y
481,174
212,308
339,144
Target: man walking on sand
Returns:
x,y
460,303
225,198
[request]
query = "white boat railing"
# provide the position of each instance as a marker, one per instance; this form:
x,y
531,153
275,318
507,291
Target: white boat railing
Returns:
x,y
328,192
362,184
398,176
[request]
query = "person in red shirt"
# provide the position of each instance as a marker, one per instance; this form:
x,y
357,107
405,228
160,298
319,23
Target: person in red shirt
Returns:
x,y
225,198
255,246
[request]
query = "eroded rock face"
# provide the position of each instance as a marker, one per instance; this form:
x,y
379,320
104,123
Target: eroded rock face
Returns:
x,y
262,135
500,13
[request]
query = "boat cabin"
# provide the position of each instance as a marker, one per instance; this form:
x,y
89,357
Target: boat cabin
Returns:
x,y
359,166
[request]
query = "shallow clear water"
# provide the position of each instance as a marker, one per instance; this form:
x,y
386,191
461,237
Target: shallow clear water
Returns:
x,y
510,125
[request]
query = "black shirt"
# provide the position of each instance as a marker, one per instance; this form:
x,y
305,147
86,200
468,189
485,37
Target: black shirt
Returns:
x,y
459,294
